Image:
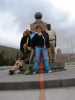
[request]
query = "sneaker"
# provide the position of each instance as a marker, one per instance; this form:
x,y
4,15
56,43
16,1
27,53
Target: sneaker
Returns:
x,y
11,72
50,71
35,72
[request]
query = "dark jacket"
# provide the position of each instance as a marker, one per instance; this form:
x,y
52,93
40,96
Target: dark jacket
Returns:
x,y
40,41
23,41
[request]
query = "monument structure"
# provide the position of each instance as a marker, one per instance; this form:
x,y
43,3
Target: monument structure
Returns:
x,y
46,27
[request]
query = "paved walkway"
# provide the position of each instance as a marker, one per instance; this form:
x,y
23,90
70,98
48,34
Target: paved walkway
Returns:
x,y
50,94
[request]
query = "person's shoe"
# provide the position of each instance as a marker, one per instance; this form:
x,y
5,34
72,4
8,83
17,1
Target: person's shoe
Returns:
x,y
11,72
35,72
50,71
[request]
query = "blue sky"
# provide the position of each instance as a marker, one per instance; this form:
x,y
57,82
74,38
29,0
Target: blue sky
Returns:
x,y
15,15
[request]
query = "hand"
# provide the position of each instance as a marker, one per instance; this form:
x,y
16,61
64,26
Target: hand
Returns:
x,y
29,48
25,45
40,34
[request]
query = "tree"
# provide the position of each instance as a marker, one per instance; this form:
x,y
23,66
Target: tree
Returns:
x,y
2,61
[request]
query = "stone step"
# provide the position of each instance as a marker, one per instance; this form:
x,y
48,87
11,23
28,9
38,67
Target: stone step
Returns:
x,y
23,82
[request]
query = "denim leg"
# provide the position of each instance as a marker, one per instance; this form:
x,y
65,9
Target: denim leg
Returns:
x,y
37,59
46,58
51,66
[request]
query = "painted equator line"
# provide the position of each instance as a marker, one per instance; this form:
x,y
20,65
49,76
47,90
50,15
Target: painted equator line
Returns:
x,y
42,83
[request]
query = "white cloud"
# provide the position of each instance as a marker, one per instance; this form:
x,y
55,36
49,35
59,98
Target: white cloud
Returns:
x,y
9,34
66,6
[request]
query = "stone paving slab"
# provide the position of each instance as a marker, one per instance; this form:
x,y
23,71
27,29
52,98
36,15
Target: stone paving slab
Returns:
x,y
21,82
50,94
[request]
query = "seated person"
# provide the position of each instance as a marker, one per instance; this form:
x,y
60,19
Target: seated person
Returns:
x,y
17,66
26,50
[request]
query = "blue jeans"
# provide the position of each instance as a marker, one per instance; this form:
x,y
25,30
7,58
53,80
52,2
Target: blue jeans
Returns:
x,y
38,53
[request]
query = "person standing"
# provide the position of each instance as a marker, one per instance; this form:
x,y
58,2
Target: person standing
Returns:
x,y
41,43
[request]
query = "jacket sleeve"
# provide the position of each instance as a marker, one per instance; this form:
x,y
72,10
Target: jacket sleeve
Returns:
x,y
29,42
21,45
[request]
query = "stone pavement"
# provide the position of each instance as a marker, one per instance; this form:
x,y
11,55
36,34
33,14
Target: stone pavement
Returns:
x,y
50,94
21,82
